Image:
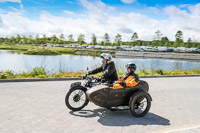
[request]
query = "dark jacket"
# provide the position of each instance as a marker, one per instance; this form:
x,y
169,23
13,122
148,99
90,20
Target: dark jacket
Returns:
x,y
109,72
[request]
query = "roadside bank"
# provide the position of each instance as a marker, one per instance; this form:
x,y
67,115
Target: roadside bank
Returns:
x,y
79,78
182,56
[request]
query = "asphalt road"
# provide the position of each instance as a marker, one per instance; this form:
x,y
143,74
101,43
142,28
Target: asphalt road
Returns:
x,y
39,107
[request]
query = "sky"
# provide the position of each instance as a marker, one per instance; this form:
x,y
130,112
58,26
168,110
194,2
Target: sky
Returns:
x,y
145,17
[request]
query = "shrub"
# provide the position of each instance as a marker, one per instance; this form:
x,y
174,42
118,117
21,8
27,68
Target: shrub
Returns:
x,y
196,70
38,71
3,75
6,74
159,72
175,72
41,76
144,72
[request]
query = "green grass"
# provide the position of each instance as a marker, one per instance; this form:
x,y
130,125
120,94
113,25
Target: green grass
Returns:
x,y
38,50
145,72
39,72
22,47
41,51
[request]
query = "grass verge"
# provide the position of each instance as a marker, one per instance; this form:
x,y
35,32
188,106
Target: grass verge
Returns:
x,y
39,72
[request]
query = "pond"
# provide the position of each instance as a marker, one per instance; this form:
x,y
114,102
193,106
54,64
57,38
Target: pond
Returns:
x,y
19,62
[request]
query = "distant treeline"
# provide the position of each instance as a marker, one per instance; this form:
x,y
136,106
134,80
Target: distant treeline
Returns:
x,y
158,40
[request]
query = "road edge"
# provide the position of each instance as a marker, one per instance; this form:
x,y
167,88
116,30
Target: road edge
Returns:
x,y
78,78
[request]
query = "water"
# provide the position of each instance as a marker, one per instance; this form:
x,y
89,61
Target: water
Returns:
x,y
18,62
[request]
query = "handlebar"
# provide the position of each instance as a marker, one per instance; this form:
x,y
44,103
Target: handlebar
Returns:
x,y
87,77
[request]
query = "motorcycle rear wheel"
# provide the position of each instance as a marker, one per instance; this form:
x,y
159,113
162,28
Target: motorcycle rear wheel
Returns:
x,y
140,104
76,98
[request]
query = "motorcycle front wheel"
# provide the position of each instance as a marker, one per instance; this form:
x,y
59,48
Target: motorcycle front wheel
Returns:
x,y
76,98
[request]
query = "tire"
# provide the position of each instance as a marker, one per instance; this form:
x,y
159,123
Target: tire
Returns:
x,y
74,97
137,102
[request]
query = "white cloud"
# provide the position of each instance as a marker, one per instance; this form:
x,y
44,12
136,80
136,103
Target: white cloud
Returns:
x,y
97,6
68,12
128,1
183,5
154,10
183,20
17,1
100,18
70,2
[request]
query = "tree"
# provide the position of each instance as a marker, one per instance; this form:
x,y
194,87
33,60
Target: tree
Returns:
x,y
18,38
37,41
118,39
61,39
81,39
106,39
155,43
1,39
198,45
70,38
44,39
54,39
189,43
23,40
12,40
30,39
165,41
179,39
134,37
157,39
94,39
158,35
179,35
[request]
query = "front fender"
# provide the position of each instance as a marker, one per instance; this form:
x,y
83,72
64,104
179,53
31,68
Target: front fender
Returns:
x,y
75,84
78,86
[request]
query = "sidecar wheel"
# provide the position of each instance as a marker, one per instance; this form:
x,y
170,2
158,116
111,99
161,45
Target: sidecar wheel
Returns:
x,y
140,104
76,99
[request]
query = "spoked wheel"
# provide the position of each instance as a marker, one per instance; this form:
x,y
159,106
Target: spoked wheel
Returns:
x,y
76,99
140,104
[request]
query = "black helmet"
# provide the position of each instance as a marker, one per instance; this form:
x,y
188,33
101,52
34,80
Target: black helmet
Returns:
x,y
132,66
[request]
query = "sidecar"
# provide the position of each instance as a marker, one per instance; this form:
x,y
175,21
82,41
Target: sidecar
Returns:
x,y
137,97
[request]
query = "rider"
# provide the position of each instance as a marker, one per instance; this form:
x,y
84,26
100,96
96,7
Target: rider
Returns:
x,y
129,79
108,68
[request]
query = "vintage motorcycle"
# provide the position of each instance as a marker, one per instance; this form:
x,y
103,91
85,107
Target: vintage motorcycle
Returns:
x,y
136,98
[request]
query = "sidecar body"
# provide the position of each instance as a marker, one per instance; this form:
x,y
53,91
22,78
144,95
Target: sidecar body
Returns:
x,y
105,96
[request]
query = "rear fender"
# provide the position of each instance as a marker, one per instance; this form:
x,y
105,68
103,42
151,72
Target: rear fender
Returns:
x,y
149,96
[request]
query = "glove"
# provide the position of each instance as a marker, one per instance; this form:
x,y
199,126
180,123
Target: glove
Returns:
x,y
89,72
84,77
100,78
122,84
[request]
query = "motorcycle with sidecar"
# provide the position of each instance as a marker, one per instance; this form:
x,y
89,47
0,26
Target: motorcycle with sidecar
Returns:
x,y
136,98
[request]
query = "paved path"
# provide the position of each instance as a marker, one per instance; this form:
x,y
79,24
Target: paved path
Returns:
x,y
39,107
